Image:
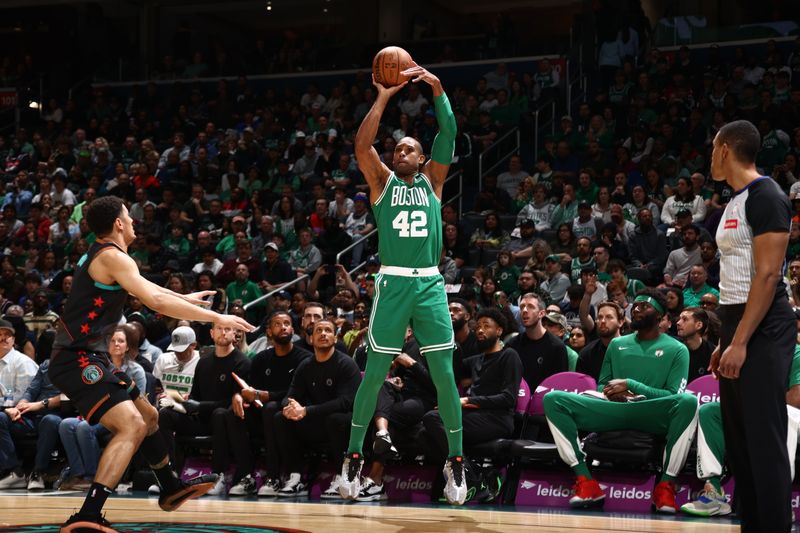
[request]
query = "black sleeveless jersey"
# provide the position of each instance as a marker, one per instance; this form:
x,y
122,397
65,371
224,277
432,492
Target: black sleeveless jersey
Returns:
x,y
92,310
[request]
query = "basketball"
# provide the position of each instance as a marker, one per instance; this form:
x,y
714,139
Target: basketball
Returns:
x,y
389,63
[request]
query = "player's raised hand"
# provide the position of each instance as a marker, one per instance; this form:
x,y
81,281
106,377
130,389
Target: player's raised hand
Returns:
x,y
418,74
387,92
197,298
234,322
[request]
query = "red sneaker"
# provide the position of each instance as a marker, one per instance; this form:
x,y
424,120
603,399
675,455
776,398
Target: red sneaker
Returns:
x,y
587,493
664,498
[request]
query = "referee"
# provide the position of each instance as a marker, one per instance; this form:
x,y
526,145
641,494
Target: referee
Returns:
x,y
758,330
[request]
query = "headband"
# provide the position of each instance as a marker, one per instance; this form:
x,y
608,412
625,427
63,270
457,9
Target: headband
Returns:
x,y
650,300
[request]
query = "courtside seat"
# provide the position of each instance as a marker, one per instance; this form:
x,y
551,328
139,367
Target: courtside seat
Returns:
x,y
533,450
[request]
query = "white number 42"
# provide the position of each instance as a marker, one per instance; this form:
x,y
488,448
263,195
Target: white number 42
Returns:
x,y
414,224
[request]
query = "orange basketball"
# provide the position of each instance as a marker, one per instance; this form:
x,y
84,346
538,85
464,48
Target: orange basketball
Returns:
x,y
389,63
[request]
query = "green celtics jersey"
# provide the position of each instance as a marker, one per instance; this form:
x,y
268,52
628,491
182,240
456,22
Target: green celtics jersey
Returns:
x,y
654,368
409,222
794,372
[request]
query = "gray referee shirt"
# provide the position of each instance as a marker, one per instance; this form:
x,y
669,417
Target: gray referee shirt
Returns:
x,y
760,207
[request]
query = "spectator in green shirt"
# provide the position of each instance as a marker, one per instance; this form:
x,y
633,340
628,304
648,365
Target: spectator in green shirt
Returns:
x,y
697,287
244,290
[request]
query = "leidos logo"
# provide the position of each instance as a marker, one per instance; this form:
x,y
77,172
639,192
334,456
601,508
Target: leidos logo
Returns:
x,y
546,490
413,483
161,527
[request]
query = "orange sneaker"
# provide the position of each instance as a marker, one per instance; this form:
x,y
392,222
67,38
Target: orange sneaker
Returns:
x,y
587,493
664,498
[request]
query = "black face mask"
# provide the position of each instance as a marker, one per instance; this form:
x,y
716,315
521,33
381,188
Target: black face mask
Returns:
x,y
459,323
647,322
486,343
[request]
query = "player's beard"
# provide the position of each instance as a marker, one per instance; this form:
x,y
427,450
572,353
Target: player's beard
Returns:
x,y
459,323
646,322
283,340
486,343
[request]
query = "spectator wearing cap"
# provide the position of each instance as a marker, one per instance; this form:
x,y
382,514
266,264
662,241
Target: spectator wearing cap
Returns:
x,y
683,199
40,318
557,282
244,256
585,225
525,240
556,324
681,261
276,270
282,301
175,368
373,264
306,258
17,371
358,225
227,244
675,237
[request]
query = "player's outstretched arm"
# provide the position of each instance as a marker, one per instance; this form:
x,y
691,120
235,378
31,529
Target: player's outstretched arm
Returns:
x,y
120,268
370,164
444,144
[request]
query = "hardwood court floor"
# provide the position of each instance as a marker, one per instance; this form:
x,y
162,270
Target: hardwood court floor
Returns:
x,y
339,517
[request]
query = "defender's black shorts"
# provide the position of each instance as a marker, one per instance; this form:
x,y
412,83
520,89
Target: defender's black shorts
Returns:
x,y
90,381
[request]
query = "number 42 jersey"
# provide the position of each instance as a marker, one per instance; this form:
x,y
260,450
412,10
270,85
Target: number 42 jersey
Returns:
x,y
409,219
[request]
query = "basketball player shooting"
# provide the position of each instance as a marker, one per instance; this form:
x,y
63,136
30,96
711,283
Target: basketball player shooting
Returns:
x,y
80,368
408,289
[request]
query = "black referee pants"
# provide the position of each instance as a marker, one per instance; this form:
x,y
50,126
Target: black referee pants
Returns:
x,y
755,420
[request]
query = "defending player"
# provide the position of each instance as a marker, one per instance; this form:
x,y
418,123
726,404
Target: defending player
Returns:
x,y
407,207
80,368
